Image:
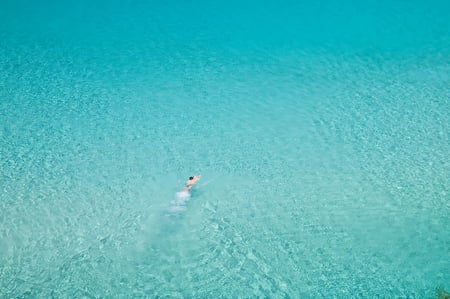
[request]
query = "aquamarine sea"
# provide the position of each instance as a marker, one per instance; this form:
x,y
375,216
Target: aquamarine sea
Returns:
x,y
320,130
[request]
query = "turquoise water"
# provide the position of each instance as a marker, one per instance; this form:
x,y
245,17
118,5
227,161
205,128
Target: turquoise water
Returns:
x,y
320,129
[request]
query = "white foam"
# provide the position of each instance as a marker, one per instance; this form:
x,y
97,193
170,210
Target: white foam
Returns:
x,y
179,203
183,195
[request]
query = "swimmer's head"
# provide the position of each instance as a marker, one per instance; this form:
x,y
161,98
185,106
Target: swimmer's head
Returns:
x,y
191,178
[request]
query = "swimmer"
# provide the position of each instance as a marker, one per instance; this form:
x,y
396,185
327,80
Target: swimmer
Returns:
x,y
190,182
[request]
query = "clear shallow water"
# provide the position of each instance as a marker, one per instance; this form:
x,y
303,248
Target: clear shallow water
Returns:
x,y
321,132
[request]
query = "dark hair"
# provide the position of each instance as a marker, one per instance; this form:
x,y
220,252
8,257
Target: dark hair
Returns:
x,y
191,177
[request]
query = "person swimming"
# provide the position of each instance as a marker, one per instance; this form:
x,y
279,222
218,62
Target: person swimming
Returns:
x,y
190,182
